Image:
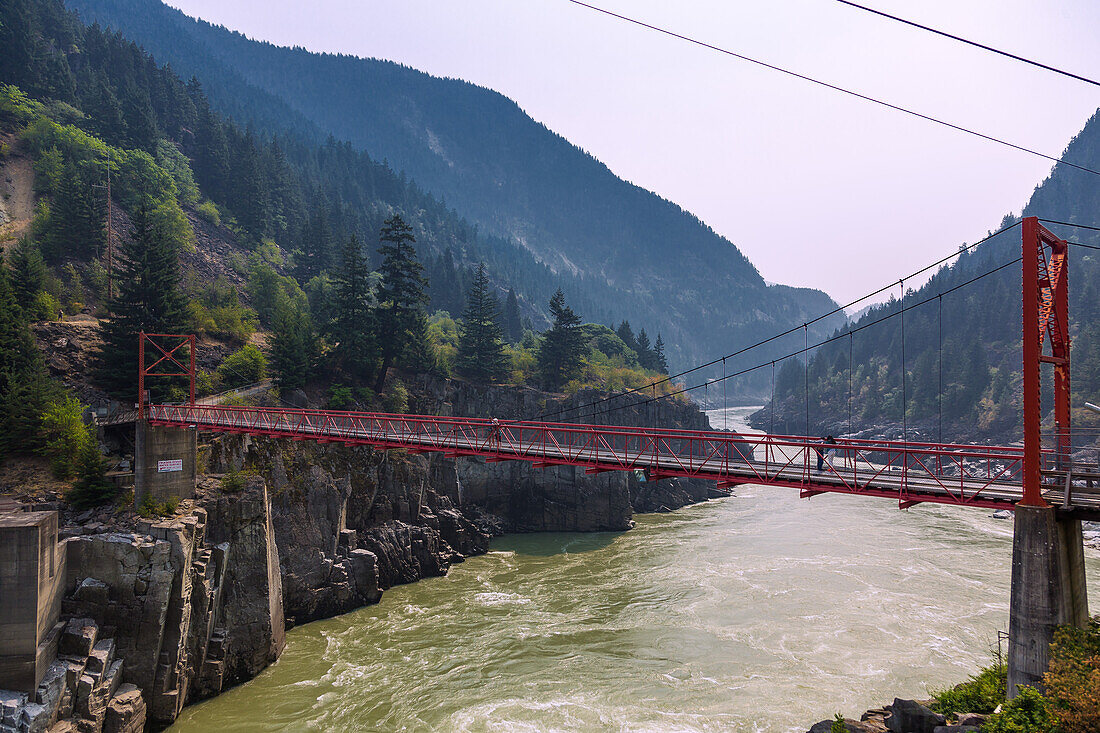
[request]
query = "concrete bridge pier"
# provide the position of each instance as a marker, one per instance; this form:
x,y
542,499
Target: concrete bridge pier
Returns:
x,y
164,462
1048,590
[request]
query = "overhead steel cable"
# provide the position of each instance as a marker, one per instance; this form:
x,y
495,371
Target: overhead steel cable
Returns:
x,y
1067,224
824,342
788,332
967,41
834,87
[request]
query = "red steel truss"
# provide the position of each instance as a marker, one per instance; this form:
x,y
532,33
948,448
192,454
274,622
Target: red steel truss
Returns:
x,y
911,473
1046,314
168,364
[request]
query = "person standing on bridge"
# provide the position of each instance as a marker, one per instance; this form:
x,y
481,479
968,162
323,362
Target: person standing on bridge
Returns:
x,y
494,436
826,450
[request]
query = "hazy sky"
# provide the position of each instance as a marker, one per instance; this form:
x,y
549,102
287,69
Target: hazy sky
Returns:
x,y
816,188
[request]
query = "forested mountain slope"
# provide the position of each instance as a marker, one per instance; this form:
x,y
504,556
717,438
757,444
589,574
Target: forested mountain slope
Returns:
x,y
966,337
641,257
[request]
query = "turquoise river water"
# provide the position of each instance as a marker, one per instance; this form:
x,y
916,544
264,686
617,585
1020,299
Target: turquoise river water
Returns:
x,y
762,612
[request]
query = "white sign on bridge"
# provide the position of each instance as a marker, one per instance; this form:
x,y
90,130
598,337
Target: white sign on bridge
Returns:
x,y
167,466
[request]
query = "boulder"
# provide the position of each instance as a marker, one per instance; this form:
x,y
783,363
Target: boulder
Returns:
x,y
909,716
126,711
852,726
79,637
970,719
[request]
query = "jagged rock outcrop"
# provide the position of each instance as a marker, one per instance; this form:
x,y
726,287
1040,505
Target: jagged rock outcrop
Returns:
x,y
350,521
81,691
249,632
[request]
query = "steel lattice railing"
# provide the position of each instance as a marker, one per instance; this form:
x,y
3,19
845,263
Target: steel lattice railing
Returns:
x,y
910,472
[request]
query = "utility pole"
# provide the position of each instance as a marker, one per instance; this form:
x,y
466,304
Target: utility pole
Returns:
x,y
110,239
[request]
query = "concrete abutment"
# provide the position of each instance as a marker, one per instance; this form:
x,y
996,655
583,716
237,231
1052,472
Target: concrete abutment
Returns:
x,y
1048,590
164,462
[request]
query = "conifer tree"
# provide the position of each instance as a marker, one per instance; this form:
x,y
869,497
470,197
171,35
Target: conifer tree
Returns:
x,y
77,223
563,347
28,271
351,329
644,349
25,388
480,355
92,487
148,299
419,356
513,326
292,350
401,295
626,335
659,362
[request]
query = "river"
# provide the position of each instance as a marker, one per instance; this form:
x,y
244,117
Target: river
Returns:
x,y
762,612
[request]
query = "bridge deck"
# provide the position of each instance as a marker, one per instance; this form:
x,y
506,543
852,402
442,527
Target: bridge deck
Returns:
x,y
911,473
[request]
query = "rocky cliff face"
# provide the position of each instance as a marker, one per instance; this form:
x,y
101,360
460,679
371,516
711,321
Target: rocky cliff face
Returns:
x,y
174,611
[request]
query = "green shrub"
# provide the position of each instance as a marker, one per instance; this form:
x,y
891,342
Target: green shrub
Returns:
x,y
982,693
65,434
44,307
396,398
206,382
339,397
1028,712
209,211
838,725
1073,681
232,482
245,366
150,507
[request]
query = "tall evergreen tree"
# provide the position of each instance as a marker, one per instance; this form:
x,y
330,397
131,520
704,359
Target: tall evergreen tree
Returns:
x,y
419,356
28,271
644,349
148,299
77,224
292,349
480,355
401,295
25,388
659,362
626,334
513,326
562,347
351,329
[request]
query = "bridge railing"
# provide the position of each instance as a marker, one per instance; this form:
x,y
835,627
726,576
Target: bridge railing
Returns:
x,y
911,472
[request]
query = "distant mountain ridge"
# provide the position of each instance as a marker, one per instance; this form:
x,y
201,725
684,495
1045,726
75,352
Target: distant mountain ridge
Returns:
x,y
478,151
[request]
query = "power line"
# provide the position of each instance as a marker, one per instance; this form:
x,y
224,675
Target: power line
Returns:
x,y
967,41
834,87
793,329
819,344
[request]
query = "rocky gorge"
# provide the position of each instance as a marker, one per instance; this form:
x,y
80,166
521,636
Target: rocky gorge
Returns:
x,y
158,614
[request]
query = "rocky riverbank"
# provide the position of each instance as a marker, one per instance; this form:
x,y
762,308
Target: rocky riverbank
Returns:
x,y
906,716
159,614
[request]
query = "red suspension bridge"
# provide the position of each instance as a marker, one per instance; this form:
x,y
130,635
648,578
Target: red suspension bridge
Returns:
x,y
1047,491
988,477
